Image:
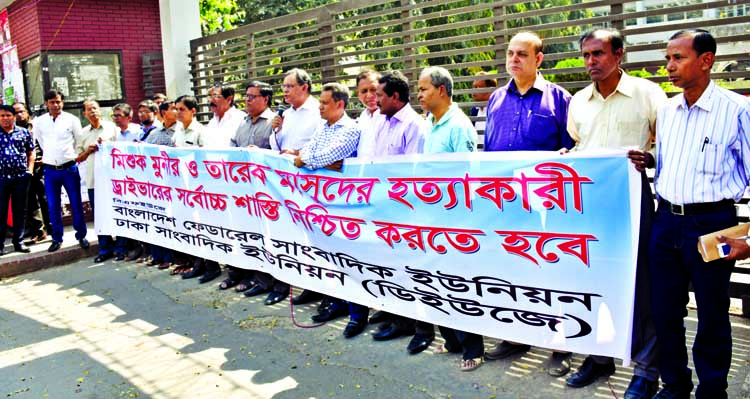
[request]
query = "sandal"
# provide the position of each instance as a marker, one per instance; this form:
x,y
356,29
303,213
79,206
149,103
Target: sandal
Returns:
x,y
442,350
181,269
471,364
244,285
228,283
165,265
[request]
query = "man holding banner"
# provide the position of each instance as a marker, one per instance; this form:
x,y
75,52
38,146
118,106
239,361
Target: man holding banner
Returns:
x,y
331,143
618,111
452,131
527,114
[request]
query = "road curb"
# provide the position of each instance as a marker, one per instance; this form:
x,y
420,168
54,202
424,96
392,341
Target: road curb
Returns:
x,y
15,264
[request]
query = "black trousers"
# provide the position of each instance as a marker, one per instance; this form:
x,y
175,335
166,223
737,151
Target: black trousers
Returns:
x,y
13,191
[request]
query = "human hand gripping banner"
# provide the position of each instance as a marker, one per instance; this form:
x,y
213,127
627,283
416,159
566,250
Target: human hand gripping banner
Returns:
x,y
533,247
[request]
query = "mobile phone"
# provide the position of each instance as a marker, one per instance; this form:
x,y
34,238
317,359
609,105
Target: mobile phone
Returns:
x,y
723,249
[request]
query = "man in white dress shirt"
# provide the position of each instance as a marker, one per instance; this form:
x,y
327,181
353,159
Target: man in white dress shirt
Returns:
x,y
56,132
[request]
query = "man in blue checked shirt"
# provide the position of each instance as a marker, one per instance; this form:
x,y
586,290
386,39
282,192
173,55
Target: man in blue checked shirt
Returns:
x,y
16,166
334,139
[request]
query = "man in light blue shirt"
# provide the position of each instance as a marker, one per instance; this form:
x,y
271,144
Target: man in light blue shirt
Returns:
x,y
702,169
122,115
452,131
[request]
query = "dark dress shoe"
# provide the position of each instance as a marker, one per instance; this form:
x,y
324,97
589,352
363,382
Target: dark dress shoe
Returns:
x,y
274,298
559,364
388,334
505,349
330,314
379,317
137,252
120,257
209,275
306,296
196,272
354,327
324,304
419,343
101,258
84,243
641,388
255,291
589,372
675,391
54,246
20,248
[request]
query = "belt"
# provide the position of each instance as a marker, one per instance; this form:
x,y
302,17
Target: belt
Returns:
x,y
696,209
66,165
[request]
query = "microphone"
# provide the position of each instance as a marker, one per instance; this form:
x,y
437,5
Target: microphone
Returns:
x,y
280,112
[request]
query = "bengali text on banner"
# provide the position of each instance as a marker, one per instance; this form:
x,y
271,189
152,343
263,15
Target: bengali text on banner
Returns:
x,y
532,247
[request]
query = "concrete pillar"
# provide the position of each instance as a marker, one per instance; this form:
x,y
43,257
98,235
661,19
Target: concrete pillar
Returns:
x,y
180,23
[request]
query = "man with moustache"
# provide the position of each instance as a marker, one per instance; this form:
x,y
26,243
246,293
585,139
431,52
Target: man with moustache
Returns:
x,y
619,111
227,117
702,170
147,111
401,131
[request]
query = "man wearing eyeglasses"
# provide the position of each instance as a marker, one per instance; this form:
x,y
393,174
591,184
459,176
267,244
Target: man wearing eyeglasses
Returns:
x,y
147,111
227,117
122,115
254,132
295,129
301,119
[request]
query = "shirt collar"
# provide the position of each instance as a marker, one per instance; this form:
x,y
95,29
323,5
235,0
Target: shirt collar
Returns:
x,y
310,103
267,114
539,84
626,87
448,115
402,114
15,129
705,100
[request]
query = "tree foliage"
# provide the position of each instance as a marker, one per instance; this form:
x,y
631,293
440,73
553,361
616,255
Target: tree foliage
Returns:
x,y
220,15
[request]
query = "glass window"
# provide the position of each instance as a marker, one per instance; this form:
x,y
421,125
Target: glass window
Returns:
x,y
80,76
34,81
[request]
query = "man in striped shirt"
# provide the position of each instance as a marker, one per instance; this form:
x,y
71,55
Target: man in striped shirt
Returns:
x,y
702,169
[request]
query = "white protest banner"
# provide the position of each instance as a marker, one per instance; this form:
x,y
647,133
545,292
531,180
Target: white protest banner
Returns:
x,y
532,247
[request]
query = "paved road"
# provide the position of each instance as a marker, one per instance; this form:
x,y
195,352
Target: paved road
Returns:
x,y
120,330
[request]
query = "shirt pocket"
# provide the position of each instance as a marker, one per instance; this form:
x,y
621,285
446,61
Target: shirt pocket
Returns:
x,y
711,159
543,131
629,133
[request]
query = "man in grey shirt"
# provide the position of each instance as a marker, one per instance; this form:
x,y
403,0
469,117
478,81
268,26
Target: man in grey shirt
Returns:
x,y
255,129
